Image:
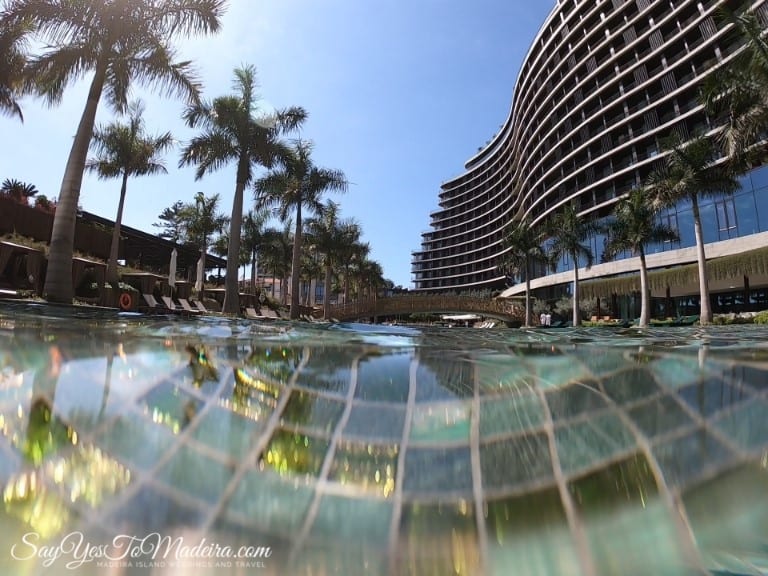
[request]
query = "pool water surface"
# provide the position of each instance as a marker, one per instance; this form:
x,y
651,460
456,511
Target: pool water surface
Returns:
x,y
161,445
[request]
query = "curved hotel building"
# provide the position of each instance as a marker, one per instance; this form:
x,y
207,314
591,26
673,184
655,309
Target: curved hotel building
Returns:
x,y
603,84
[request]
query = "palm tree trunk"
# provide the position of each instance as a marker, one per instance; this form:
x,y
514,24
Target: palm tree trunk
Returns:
x,y
527,294
327,293
705,314
295,265
645,311
58,277
114,248
231,288
576,311
253,271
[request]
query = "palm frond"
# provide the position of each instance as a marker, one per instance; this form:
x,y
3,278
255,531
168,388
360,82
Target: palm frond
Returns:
x,y
210,151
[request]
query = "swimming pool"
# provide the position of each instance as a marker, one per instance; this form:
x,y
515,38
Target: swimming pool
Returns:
x,y
155,445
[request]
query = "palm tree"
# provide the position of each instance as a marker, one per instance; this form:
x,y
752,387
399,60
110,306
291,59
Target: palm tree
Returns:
x,y
354,252
737,93
278,255
202,220
121,43
690,171
329,235
298,184
523,246
569,231
232,132
14,55
253,239
633,227
19,191
122,151
370,277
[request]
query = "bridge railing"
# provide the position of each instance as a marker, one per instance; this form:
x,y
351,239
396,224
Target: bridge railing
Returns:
x,y
413,304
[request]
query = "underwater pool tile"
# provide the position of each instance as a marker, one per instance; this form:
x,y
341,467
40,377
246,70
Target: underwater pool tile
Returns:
x,y
442,422
439,378
438,539
676,372
630,385
312,412
223,430
354,521
524,531
683,460
558,371
574,400
601,361
328,370
267,502
747,425
275,364
510,413
170,406
368,467
515,461
194,474
629,482
585,444
151,510
250,397
729,516
373,421
712,395
336,558
755,377
384,378
501,374
135,440
294,453
660,416
431,471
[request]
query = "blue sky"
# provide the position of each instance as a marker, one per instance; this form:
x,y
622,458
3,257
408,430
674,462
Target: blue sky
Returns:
x,y
400,93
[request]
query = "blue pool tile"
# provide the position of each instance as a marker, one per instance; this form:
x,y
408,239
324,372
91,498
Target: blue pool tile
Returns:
x,y
589,443
516,461
685,459
431,471
712,395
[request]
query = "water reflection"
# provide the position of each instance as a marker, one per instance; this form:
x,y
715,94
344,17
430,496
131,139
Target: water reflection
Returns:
x,y
461,451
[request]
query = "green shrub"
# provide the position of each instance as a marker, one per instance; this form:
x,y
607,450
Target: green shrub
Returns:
x,y
761,318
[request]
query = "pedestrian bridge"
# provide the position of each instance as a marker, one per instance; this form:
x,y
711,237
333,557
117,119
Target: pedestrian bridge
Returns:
x,y
498,308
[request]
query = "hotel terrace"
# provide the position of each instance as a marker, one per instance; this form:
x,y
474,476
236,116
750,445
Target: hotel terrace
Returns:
x,y
603,84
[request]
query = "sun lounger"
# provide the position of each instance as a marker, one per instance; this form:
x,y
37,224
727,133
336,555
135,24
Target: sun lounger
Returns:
x,y
187,306
201,307
170,304
152,304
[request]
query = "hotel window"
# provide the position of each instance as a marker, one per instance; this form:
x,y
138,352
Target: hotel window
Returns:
x,y
726,218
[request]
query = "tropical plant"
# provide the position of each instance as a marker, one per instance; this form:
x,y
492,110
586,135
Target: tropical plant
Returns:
x,y
173,221
351,255
691,171
253,239
202,220
120,43
329,235
369,276
123,151
278,255
297,185
14,54
523,247
736,94
43,203
19,191
568,232
633,227
233,132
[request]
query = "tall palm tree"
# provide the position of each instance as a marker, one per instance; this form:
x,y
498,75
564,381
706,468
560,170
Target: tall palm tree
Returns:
x,y
202,220
14,55
329,234
233,131
633,227
122,151
121,43
253,239
278,255
298,184
523,246
737,93
569,232
691,171
370,277
354,252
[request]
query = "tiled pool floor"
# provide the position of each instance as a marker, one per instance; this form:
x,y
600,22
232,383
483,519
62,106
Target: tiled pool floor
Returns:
x,y
375,450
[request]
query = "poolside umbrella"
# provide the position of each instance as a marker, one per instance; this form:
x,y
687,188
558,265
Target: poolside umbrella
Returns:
x,y
172,269
200,272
